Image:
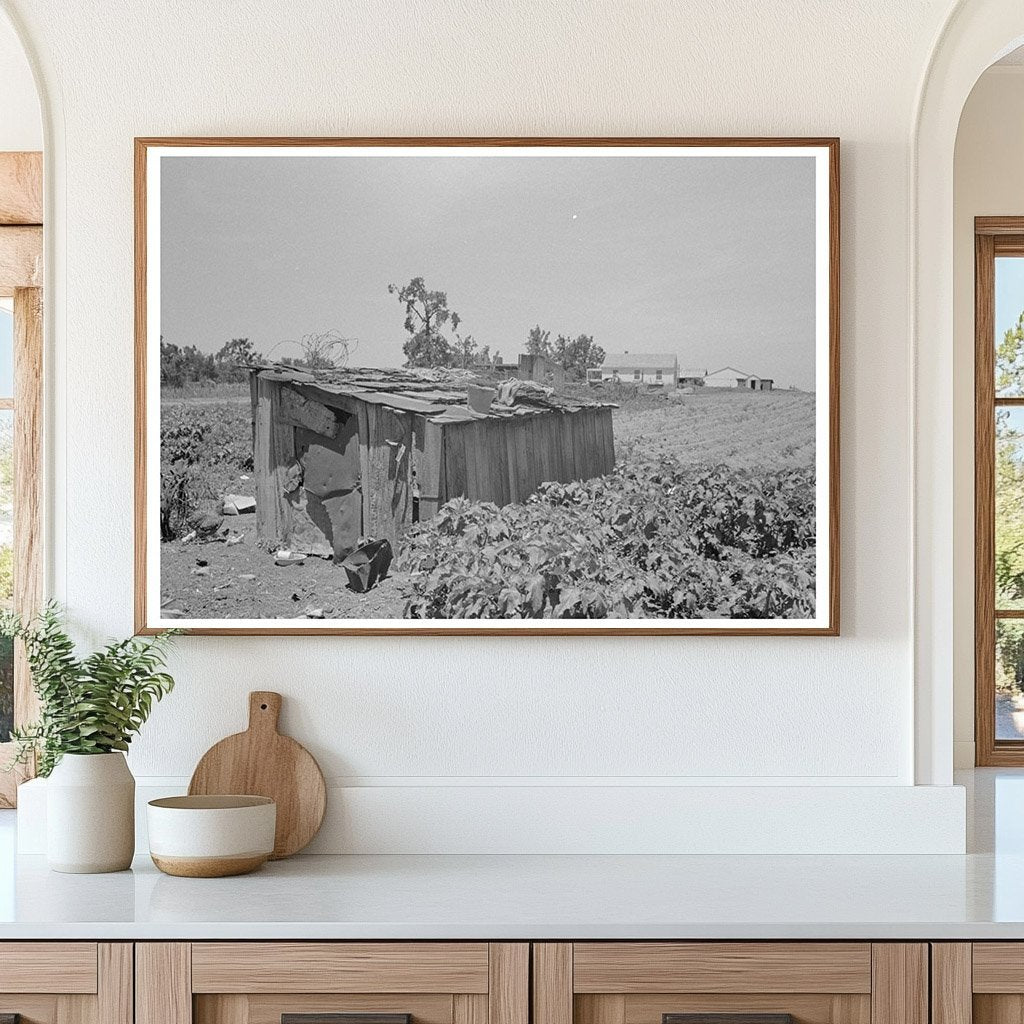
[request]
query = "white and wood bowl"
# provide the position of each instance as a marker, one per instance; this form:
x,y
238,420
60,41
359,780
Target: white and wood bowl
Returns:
x,y
211,836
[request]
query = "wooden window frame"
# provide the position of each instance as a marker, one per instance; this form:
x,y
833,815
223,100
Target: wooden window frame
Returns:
x,y
21,278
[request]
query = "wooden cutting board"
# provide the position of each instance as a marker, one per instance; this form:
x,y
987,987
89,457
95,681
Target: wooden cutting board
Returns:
x,y
262,762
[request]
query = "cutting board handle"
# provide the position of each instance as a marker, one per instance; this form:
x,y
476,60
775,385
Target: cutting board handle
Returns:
x,y
264,710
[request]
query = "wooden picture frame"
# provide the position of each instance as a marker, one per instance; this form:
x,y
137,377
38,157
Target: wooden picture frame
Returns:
x,y
154,610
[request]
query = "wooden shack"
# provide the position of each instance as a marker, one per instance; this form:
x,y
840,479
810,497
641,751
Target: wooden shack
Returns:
x,y
345,454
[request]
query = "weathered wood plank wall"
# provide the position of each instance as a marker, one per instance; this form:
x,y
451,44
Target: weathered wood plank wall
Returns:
x,y
387,480
507,460
429,465
273,455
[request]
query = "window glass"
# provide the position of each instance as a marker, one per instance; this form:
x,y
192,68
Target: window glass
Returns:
x,y
6,353
1009,511
1009,327
1009,679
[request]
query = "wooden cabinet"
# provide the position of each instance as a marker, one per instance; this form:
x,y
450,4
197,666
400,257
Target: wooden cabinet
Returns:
x,y
494,983
978,983
66,982
306,982
753,982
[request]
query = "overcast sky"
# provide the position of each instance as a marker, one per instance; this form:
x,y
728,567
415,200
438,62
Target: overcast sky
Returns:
x,y
711,258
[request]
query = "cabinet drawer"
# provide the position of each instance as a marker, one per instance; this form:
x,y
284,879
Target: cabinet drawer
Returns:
x,y
65,967
340,967
66,982
635,967
730,983
332,983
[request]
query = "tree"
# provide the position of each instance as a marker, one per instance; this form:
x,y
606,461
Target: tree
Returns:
x,y
537,342
181,366
234,359
577,355
1010,361
1009,500
426,312
466,352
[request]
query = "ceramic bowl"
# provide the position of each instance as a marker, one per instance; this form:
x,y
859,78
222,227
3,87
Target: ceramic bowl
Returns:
x,y
211,836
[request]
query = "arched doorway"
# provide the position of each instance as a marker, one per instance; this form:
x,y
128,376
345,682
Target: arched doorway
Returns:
x,y
976,34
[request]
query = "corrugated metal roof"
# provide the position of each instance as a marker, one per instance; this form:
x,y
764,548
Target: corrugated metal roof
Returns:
x,y
639,361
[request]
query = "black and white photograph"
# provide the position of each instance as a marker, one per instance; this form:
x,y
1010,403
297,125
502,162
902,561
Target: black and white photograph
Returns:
x,y
471,386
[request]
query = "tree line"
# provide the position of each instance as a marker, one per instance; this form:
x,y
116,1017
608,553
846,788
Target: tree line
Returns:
x,y
434,340
321,350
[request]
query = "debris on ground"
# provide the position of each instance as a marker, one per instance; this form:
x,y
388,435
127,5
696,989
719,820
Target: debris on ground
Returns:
x,y
286,557
238,505
367,565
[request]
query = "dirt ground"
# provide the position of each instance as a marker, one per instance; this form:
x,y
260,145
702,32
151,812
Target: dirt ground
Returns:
x,y
241,581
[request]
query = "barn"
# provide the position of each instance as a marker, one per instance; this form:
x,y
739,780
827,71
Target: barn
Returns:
x,y
730,377
346,454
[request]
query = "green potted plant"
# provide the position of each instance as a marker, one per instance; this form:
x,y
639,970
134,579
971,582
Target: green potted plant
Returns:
x,y
90,708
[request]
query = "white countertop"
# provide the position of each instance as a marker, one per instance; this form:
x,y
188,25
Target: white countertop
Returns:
x,y
977,896
496,897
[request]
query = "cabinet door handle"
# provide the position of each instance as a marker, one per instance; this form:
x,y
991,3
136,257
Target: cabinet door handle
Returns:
x,y
337,1018
727,1018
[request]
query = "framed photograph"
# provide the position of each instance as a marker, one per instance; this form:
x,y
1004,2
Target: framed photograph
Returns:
x,y
500,386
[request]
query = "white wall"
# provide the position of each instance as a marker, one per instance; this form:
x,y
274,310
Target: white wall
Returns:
x,y
433,716
987,181
20,124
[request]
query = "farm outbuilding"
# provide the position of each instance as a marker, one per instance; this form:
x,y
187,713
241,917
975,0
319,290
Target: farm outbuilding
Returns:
x,y
730,377
657,369
346,454
533,366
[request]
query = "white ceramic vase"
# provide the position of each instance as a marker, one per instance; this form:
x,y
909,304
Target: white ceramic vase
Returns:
x,y
90,814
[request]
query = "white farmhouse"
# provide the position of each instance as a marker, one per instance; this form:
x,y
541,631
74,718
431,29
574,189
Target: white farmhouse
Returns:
x,y
656,369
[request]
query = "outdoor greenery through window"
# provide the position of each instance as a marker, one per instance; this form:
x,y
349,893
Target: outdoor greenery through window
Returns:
x,y
1009,496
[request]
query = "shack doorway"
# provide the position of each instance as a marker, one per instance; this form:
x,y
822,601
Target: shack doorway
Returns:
x,y
327,504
